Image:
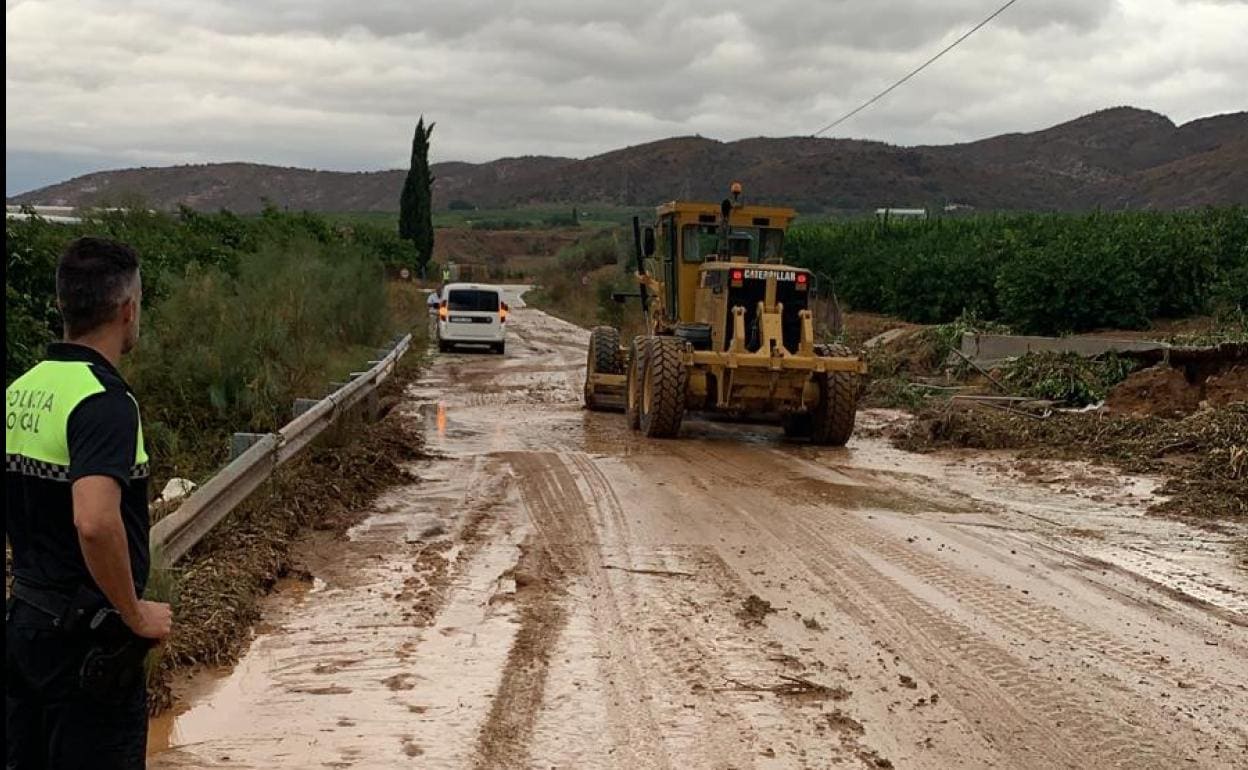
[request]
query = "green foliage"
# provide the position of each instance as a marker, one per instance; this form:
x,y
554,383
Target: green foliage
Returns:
x,y
896,393
604,248
31,319
563,220
1039,273
1067,377
600,261
947,337
416,200
384,244
242,314
230,352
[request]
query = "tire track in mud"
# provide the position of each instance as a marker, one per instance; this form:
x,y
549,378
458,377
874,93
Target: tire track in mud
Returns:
x,y
1027,618
668,648
555,554
1037,716
675,652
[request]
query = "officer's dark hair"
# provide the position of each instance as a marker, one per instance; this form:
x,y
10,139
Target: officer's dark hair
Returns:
x,y
93,278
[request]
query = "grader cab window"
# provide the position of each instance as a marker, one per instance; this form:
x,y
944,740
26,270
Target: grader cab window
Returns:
x,y
741,245
700,241
771,244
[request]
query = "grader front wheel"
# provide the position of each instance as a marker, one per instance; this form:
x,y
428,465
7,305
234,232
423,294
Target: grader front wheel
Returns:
x,y
663,383
603,358
638,355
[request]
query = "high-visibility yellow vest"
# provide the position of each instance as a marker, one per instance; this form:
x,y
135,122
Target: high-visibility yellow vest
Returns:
x,y
40,402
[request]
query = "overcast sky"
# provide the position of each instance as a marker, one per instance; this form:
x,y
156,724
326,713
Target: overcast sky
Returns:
x,y
96,84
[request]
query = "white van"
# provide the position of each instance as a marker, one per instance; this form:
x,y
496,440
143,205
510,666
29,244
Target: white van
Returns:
x,y
472,314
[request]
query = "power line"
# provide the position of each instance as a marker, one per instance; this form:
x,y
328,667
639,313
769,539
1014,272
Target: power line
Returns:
x,y
916,71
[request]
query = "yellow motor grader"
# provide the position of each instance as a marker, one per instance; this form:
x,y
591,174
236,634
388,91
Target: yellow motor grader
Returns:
x,y
729,329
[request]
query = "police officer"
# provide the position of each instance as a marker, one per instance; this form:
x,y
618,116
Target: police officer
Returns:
x,y
76,517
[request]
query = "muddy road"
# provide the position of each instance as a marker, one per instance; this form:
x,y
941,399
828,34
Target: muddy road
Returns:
x,y
557,592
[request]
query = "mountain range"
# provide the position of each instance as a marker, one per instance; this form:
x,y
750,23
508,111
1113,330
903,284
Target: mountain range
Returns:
x,y
1113,159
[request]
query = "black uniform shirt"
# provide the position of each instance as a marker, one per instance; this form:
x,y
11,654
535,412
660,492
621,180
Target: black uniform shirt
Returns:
x,y
104,437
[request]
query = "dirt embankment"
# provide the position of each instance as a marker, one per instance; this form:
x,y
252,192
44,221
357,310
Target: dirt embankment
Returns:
x,y
1166,391
220,581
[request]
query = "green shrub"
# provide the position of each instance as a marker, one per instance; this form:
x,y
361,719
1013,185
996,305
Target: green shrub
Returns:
x,y
31,319
225,353
242,315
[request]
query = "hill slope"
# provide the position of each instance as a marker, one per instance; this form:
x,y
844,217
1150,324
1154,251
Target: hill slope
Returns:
x,y
1121,157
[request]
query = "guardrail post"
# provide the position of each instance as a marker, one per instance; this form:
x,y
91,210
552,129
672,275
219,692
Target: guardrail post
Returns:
x,y
241,442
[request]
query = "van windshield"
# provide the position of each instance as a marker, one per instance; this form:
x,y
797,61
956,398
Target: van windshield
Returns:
x,y
466,300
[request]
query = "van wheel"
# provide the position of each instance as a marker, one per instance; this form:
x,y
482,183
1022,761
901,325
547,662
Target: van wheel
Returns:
x,y
499,348
663,386
444,346
638,352
832,421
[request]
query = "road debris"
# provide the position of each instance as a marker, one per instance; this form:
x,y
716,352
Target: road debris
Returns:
x,y
754,610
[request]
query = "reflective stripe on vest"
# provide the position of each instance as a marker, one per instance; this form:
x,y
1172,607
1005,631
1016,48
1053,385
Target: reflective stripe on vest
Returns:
x,y
39,404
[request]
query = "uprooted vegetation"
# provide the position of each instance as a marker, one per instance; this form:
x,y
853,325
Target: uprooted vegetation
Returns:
x,y
1186,421
1205,454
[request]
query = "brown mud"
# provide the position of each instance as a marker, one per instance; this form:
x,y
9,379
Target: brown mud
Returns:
x,y
556,591
219,584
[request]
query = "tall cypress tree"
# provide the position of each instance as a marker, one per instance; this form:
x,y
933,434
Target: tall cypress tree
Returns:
x,y
416,200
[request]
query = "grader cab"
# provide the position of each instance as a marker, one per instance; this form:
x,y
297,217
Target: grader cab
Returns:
x,y
729,329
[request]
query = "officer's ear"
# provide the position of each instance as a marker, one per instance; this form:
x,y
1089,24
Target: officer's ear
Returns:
x,y
128,311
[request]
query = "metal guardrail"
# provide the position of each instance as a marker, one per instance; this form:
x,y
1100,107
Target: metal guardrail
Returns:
x,y
176,534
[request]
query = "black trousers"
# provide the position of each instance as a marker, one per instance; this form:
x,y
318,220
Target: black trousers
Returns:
x,y
50,721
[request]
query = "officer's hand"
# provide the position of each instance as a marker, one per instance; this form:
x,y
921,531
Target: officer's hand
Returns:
x,y
153,620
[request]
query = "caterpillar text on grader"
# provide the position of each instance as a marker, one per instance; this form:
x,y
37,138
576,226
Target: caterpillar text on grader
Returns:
x,y
729,329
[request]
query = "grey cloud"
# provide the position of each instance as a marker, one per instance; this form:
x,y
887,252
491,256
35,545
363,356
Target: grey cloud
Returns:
x,y
338,85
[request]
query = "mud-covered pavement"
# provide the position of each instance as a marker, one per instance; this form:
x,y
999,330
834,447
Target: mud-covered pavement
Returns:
x,y
558,592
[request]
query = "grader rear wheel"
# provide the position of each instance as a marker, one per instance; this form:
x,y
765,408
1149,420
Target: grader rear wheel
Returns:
x,y
663,385
832,421
603,358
